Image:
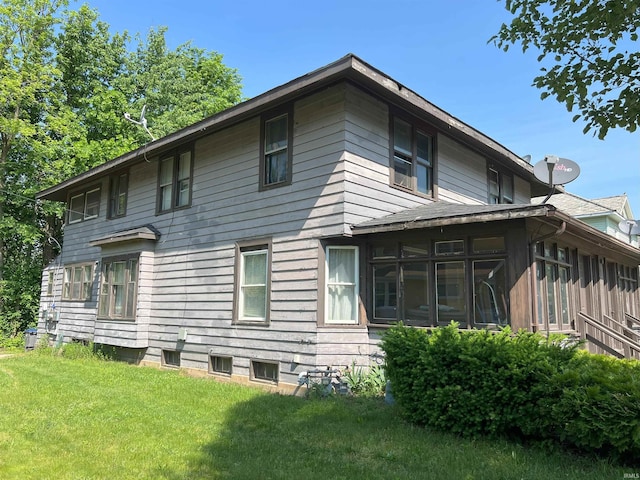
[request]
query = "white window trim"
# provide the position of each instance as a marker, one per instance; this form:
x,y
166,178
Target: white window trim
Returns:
x,y
243,255
355,284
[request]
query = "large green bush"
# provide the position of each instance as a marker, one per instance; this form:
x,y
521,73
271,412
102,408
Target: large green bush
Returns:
x,y
524,385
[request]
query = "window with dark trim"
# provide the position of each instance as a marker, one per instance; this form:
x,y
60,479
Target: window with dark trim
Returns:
x,y
77,282
275,146
170,358
174,180
118,288
412,159
553,277
84,205
265,371
222,365
118,190
500,186
253,282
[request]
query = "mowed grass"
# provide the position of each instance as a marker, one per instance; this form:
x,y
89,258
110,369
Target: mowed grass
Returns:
x,y
92,419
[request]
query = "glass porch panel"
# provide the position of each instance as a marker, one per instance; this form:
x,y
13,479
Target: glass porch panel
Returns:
x,y
490,292
541,290
552,314
385,278
415,293
450,292
564,294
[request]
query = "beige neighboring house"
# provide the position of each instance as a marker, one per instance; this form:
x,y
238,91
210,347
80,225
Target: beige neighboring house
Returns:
x,y
605,214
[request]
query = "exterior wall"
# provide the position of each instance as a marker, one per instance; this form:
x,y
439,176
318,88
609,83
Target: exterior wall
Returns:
x,y
186,280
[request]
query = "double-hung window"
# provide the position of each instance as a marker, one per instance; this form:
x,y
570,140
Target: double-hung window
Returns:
x,y
500,186
553,278
174,180
77,282
342,291
118,187
84,205
119,288
252,282
276,159
412,161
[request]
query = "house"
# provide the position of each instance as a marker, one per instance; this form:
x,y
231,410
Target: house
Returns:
x,y
288,232
605,214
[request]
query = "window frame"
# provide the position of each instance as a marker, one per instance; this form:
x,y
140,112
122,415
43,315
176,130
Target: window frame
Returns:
x,y
84,215
118,189
502,177
110,296
249,247
417,127
213,362
264,379
265,152
170,358
355,284
85,287
175,156
553,292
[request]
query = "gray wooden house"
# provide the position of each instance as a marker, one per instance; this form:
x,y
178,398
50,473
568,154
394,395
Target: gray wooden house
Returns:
x,y
286,233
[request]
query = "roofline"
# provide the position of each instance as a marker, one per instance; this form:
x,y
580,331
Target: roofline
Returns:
x,y
348,67
586,231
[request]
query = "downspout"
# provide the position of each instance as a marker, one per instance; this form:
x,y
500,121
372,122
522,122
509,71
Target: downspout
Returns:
x,y
532,255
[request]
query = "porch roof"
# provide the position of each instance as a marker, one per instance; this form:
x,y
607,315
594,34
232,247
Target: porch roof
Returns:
x,y
440,213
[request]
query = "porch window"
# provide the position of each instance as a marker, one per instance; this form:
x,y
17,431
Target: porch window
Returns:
x,y
450,292
553,276
412,161
119,288
276,159
118,187
490,292
174,181
84,206
253,265
342,285
77,282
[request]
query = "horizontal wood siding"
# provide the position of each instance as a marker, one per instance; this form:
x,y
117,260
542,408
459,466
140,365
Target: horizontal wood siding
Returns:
x,y
462,173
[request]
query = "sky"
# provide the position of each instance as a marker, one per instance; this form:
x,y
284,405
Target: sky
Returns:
x,y
440,49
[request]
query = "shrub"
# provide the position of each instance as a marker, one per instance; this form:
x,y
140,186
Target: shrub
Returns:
x,y
525,386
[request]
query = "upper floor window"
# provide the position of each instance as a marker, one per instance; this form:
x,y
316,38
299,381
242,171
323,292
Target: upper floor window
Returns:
x,y
276,159
119,288
413,153
84,206
174,180
500,187
77,282
118,187
253,278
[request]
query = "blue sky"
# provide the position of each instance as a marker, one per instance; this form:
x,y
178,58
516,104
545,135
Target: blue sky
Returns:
x,y
436,48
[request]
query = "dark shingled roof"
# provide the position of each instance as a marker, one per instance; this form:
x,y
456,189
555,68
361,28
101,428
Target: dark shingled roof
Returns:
x,y
444,213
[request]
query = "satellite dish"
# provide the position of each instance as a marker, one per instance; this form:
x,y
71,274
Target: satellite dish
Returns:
x,y
629,227
563,170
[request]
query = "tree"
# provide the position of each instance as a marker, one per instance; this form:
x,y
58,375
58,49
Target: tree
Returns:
x,y
65,83
591,60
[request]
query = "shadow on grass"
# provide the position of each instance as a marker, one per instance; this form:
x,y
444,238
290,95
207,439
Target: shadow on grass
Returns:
x,y
279,437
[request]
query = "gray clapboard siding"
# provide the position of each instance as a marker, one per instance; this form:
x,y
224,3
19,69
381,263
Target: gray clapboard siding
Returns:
x,y
462,173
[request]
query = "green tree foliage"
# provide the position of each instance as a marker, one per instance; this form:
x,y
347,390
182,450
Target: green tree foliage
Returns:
x,y
65,83
589,56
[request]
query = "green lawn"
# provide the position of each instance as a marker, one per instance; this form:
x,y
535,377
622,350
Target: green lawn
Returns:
x,y
90,419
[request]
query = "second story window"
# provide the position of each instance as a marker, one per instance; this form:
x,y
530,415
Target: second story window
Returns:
x,y
412,162
84,205
500,187
174,184
118,187
275,164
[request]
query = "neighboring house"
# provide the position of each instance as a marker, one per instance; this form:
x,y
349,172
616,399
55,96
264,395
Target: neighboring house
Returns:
x,y
288,232
605,214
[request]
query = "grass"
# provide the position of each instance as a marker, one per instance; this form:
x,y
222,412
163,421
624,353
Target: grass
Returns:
x,y
90,419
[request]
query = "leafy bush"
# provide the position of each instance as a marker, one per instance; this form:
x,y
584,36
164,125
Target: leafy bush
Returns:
x,y
525,386
12,343
365,381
